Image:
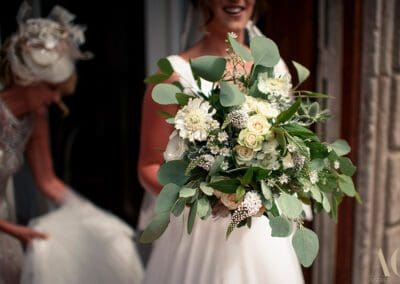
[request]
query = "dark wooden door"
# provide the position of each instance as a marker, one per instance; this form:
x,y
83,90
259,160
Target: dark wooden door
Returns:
x,y
292,25
96,148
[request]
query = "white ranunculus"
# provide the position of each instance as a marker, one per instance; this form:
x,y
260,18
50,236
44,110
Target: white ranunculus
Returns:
x,y
176,147
195,120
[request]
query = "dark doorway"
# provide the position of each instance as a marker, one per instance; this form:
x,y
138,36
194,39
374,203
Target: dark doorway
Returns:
x,y
293,26
95,148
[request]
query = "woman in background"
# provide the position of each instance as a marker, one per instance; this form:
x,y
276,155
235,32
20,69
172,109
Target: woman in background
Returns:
x,y
24,126
205,256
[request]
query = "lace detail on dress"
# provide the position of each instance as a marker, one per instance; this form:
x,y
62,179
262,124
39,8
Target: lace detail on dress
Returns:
x,y
14,135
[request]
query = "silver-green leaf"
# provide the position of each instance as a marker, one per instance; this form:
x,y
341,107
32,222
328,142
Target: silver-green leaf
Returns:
x,y
173,172
306,245
290,205
302,72
230,95
280,226
210,68
166,199
165,94
265,52
239,49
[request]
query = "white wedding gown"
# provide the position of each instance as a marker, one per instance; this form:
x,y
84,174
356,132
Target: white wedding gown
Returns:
x,y
86,246
249,256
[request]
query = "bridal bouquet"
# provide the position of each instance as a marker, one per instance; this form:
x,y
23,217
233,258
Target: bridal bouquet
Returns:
x,y
242,146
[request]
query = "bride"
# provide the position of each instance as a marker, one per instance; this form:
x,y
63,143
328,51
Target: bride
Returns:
x,y
249,256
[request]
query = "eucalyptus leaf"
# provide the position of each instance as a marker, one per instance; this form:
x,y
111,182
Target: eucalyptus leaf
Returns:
x,y
325,202
346,166
165,94
290,205
239,49
155,229
203,207
178,207
192,217
302,72
317,164
280,226
266,191
207,190
306,245
265,52
315,193
210,68
187,192
346,185
173,172
166,199
230,95
341,147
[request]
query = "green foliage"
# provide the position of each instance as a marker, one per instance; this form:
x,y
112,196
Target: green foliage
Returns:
x,y
306,245
265,52
280,226
165,94
230,95
173,172
210,68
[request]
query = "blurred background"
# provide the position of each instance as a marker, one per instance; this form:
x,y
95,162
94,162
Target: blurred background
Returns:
x,y
353,51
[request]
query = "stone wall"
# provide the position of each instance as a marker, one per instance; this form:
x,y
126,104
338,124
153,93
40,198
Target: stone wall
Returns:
x,y
378,219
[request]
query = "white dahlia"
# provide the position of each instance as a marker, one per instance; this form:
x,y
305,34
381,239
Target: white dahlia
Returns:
x,y
195,120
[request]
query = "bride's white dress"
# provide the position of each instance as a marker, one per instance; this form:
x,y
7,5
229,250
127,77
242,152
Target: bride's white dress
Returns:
x,y
248,256
86,246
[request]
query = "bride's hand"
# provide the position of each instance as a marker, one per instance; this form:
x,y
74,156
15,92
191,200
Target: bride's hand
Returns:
x,y
25,234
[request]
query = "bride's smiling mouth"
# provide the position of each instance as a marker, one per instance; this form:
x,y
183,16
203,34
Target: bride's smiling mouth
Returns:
x,y
233,10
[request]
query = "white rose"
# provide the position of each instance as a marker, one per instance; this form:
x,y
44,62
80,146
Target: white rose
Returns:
x,y
243,154
250,140
258,124
176,147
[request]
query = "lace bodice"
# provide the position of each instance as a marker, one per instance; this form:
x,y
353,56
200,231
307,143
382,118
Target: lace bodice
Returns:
x,y
14,135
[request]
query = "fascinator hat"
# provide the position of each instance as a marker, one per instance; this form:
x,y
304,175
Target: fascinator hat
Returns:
x,y
43,49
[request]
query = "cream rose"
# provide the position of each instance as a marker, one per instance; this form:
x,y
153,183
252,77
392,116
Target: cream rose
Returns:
x,y
258,124
250,140
243,154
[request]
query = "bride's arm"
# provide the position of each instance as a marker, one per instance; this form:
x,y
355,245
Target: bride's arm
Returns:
x,y
40,161
24,234
154,137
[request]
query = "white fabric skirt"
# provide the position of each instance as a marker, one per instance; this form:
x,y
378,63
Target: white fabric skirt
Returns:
x,y
249,256
86,245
